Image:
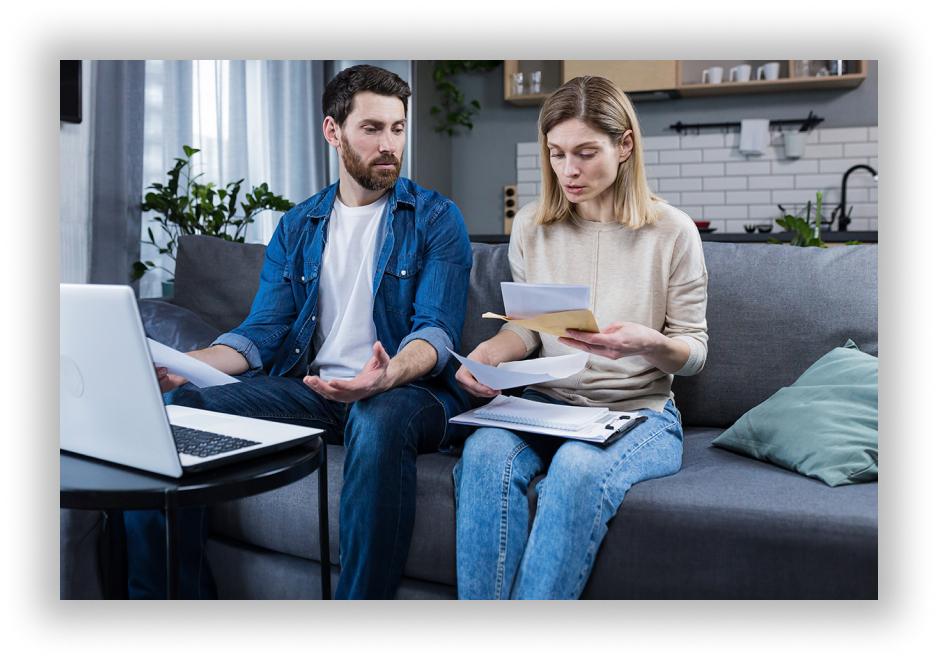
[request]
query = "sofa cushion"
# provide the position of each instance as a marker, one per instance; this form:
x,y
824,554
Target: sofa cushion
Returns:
x,y
826,425
772,311
726,526
217,279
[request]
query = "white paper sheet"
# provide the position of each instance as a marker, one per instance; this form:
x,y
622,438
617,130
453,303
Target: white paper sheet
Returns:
x,y
179,364
524,372
527,301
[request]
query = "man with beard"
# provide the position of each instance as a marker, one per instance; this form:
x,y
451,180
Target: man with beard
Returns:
x,y
362,292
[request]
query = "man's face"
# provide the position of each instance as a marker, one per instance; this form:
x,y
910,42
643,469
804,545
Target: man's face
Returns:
x,y
372,140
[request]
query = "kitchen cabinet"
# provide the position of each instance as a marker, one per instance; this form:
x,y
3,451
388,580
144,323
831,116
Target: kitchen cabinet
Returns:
x,y
675,77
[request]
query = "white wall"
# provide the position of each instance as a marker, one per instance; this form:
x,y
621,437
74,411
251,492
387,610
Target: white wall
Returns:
x,y
76,159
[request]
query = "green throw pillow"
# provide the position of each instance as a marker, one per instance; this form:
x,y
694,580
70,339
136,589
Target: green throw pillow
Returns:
x,y
826,425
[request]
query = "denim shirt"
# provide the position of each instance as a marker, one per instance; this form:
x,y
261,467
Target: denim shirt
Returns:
x,y
421,282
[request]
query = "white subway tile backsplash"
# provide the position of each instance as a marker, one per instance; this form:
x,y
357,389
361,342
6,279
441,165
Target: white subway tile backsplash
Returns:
x,y
867,149
755,167
722,155
764,212
840,165
709,179
827,135
689,156
701,141
749,197
666,185
771,182
817,181
662,142
824,151
800,166
794,197
725,212
725,183
702,169
703,198
661,171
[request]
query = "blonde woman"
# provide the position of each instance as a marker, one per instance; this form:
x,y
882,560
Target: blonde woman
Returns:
x,y
597,223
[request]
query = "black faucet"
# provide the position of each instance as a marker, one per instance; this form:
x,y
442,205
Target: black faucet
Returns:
x,y
843,219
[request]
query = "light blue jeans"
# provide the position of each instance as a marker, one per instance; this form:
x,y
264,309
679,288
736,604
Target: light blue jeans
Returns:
x,y
496,558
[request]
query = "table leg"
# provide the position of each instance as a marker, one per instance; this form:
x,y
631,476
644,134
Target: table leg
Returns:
x,y
172,546
324,560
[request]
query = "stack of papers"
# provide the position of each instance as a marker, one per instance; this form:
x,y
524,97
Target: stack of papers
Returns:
x,y
597,425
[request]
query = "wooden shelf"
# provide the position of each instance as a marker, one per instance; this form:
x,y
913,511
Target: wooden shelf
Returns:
x,y
666,76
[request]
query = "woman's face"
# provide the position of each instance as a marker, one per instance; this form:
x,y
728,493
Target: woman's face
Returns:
x,y
585,161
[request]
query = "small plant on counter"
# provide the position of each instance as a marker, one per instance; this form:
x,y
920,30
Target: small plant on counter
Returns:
x,y
201,209
805,236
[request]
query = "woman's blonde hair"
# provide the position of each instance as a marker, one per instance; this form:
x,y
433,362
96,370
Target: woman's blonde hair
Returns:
x,y
601,105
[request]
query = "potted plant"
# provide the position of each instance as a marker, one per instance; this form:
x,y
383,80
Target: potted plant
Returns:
x,y
196,208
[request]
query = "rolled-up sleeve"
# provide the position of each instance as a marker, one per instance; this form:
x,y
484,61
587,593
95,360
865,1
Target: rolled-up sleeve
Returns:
x,y
442,285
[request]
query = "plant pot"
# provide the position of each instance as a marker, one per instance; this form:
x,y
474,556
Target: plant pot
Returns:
x,y
795,143
168,288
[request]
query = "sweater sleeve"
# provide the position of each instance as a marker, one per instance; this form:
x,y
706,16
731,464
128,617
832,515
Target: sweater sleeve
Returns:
x,y
531,339
687,303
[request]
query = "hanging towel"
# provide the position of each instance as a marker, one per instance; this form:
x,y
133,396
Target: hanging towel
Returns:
x,y
754,136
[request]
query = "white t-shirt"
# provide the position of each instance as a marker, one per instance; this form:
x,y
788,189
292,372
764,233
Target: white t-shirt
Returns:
x,y
345,332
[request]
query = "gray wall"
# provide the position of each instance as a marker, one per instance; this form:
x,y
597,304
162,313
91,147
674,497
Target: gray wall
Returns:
x,y
472,167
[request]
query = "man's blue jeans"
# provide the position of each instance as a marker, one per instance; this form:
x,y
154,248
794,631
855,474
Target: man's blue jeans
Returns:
x,y
382,435
496,558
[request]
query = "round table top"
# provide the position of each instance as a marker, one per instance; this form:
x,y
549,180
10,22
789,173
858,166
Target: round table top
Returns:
x,y
88,483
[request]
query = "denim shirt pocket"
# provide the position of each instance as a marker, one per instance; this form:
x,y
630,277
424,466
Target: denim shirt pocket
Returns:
x,y
400,283
301,275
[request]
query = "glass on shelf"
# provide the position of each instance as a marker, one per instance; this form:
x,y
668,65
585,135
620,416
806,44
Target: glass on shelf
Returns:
x,y
518,87
535,82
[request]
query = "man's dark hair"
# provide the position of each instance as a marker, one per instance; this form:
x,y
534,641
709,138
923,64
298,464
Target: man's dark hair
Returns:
x,y
337,99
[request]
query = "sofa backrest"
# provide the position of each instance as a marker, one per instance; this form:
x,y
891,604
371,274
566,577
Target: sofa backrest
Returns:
x,y
772,311
217,279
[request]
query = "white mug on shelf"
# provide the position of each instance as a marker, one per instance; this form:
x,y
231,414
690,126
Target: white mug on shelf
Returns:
x,y
741,72
715,73
768,71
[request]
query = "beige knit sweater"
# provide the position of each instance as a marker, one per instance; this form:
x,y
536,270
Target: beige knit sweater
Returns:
x,y
654,276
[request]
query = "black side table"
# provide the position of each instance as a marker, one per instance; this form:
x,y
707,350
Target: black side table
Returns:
x,y
87,483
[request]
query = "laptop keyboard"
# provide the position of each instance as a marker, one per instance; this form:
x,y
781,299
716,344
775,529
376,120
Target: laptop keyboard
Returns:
x,y
205,443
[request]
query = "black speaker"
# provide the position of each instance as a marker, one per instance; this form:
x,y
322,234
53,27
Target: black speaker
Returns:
x,y
509,206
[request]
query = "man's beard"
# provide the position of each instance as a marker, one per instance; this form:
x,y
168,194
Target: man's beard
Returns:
x,y
368,176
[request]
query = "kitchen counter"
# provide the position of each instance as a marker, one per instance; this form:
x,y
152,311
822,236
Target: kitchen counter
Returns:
x,y
829,237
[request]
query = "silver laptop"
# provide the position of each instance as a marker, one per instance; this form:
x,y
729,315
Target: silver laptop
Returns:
x,y
111,406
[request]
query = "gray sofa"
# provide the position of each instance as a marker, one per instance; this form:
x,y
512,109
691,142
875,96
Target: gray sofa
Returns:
x,y
724,526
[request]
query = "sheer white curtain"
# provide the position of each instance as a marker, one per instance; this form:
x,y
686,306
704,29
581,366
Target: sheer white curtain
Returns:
x,y
258,120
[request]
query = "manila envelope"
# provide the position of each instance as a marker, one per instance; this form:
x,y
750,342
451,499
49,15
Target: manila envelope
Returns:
x,y
555,323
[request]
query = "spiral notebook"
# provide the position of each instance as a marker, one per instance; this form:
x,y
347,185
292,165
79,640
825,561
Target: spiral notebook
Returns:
x,y
535,413
596,425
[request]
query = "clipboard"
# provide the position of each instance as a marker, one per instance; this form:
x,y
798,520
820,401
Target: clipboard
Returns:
x,y
608,429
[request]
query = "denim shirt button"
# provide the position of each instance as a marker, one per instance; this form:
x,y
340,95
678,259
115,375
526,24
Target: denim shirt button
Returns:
x,y
296,350
314,318
302,278
403,272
